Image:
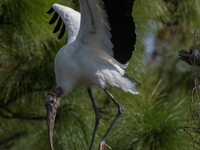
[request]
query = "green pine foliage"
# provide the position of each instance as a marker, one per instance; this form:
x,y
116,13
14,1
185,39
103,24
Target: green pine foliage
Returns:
x,y
27,51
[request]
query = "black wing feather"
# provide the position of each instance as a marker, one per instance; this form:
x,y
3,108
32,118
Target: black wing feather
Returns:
x,y
50,10
62,32
137,84
54,18
59,23
122,28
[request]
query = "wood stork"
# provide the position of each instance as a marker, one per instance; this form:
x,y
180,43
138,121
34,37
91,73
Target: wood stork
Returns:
x,y
99,45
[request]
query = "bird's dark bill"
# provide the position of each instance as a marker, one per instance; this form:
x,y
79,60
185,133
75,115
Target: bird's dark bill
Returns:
x,y
51,104
51,114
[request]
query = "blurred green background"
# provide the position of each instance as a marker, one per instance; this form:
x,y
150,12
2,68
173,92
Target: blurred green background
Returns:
x,y
27,51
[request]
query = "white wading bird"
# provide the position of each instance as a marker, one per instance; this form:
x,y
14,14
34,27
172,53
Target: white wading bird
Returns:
x,y
100,43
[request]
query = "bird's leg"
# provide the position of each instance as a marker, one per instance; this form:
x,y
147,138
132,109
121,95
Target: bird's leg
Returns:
x,y
97,117
120,109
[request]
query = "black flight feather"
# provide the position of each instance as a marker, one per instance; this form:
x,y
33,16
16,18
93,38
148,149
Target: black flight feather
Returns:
x,y
50,10
62,31
122,28
54,18
59,23
137,84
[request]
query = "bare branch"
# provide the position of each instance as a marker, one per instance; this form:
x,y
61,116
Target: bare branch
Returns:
x,y
192,57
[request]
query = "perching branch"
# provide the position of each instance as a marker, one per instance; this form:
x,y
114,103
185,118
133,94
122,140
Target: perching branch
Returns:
x,y
192,55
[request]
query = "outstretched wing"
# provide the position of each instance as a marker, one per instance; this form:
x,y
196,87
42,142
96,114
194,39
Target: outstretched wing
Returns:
x,y
122,28
59,23
112,22
68,17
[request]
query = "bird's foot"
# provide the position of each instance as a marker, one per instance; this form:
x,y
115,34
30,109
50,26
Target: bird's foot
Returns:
x,y
101,145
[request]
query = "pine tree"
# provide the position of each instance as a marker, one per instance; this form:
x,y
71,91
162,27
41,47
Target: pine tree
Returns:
x,y
27,51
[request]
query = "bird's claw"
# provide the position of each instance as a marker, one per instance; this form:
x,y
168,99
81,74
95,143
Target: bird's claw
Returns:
x,y
101,145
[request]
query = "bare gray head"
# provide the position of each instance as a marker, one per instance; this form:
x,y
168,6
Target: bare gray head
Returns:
x,y
51,103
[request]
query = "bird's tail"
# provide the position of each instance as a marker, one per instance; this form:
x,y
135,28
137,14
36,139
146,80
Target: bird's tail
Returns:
x,y
137,84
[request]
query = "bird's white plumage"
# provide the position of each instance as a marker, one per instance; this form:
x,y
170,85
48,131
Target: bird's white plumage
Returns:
x,y
99,44
87,58
92,31
71,19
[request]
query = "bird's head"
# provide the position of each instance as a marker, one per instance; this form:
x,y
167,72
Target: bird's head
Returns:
x,y
51,103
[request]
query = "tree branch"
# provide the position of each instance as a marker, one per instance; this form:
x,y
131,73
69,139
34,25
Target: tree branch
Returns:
x,y
17,135
16,115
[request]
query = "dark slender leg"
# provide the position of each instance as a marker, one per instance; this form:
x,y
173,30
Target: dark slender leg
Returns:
x,y
97,117
120,109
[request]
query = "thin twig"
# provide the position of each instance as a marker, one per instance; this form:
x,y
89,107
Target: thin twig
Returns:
x,y
193,124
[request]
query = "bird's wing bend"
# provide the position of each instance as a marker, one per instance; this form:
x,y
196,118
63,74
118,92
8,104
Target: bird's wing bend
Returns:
x,y
112,21
67,18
